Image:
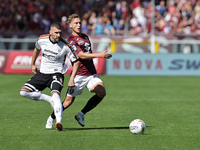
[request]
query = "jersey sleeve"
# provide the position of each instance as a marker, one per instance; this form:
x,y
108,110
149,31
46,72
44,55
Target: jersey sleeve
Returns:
x,y
39,42
73,56
37,45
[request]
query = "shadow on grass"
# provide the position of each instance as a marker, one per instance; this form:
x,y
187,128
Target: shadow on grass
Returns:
x,y
98,128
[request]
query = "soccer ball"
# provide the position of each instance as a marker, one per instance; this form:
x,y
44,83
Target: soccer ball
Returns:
x,y
137,126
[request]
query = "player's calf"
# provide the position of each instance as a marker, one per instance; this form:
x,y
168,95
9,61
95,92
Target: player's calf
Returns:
x,y
31,95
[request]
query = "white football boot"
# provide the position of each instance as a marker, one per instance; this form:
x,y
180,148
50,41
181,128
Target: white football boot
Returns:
x,y
49,124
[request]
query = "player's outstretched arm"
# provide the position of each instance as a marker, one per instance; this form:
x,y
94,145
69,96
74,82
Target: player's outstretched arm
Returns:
x,y
103,54
36,52
73,74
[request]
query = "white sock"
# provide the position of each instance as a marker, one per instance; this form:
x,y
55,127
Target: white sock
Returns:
x,y
44,97
36,95
58,108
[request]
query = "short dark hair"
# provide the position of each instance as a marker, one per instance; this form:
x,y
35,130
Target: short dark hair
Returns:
x,y
56,25
71,17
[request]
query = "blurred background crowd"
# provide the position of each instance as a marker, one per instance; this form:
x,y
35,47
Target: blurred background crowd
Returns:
x,y
102,17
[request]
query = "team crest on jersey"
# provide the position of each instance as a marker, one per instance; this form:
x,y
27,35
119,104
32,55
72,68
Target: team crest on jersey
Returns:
x,y
81,42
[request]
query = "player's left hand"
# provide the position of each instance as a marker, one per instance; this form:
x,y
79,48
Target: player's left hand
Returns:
x,y
71,83
106,55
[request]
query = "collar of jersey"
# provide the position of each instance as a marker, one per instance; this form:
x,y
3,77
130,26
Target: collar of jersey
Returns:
x,y
51,40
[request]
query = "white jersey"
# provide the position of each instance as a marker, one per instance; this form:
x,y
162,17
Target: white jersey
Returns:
x,y
54,54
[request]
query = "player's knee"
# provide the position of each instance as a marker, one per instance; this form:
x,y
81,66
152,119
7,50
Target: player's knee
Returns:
x,y
102,93
56,85
30,95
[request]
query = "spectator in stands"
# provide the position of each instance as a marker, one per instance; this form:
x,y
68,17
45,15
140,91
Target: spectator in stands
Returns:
x,y
197,27
179,28
160,25
105,16
88,5
98,28
186,9
92,20
161,8
133,21
134,4
139,13
109,29
118,13
168,28
9,23
84,27
147,10
46,22
120,29
176,17
64,23
125,10
172,7
21,22
114,20
37,15
148,25
136,28
197,8
32,25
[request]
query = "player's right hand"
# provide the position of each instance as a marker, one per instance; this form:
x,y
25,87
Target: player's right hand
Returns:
x,y
34,69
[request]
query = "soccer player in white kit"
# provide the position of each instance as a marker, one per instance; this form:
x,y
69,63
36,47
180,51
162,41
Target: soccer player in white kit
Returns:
x,y
54,50
86,75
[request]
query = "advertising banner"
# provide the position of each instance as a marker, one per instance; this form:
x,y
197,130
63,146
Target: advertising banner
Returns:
x,y
19,62
154,64
3,60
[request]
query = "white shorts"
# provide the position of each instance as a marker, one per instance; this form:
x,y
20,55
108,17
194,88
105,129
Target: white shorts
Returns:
x,y
81,82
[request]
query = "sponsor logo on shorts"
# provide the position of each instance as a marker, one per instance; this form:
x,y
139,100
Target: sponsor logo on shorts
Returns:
x,y
71,91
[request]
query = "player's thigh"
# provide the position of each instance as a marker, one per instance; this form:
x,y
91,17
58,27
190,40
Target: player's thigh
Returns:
x,y
37,82
80,83
93,82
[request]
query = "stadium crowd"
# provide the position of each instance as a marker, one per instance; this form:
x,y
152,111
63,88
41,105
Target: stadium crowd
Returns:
x,y
102,17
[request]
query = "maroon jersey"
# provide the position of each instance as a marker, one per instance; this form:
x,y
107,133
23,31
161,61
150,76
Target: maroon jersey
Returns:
x,y
82,43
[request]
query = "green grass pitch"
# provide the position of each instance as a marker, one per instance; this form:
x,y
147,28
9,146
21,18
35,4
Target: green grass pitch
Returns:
x,y
170,107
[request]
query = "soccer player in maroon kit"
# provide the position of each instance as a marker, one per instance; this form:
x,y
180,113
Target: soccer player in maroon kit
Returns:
x,y
86,75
